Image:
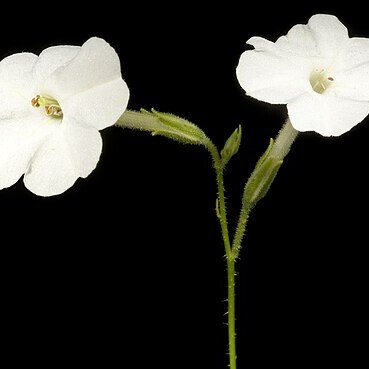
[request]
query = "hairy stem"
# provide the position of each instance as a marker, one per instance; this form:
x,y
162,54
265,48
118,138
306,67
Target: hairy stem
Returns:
x,y
222,215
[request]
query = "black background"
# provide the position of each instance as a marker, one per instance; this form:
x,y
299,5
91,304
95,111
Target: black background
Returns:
x,y
126,269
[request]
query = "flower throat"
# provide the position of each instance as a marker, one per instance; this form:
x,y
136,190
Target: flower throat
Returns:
x,y
319,81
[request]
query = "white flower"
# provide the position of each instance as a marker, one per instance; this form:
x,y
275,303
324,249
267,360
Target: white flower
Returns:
x,y
52,107
317,70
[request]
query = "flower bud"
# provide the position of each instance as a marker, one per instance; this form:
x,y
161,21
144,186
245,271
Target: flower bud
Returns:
x,y
231,146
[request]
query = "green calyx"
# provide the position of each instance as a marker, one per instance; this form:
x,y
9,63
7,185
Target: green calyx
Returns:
x,y
177,128
262,177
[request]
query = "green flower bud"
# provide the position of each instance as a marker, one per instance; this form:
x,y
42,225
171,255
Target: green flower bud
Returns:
x,y
231,146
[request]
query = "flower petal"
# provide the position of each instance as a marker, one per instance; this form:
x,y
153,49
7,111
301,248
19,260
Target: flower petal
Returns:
x,y
69,153
272,75
351,72
98,107
96,63
85,145
300,41
19,139
325,114
51,171
52,59
330,34
16,77
323,37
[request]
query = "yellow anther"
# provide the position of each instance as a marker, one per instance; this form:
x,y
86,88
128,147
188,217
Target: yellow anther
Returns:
x,y
54,110
36,101
52,107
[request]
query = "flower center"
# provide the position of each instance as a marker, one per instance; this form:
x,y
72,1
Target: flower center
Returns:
x,y
320,81
52,107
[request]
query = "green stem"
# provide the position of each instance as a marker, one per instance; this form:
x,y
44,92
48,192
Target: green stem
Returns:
x,y
221,195
241,229
231,312
222,214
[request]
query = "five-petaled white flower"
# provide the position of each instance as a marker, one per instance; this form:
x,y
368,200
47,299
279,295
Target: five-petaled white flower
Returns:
x,y
52,107
317,70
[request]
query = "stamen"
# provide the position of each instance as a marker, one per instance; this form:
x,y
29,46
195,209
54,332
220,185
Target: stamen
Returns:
x,y
35,101
52,107
54,110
